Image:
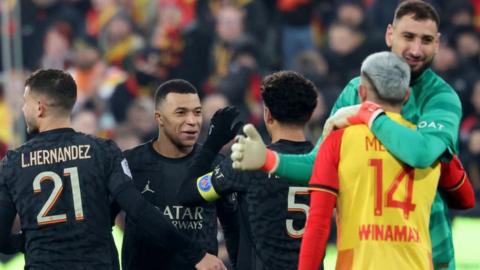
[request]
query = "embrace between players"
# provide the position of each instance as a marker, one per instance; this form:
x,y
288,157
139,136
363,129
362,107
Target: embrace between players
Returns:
x,y
390,179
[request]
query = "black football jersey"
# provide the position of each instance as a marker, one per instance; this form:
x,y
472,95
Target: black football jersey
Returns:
x,y
159,178
61,183
272,212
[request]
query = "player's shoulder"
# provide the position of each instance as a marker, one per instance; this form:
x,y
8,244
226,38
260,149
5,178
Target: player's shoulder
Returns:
x,y
337,136
291,147
137,153
431,82
354,81
10,155
9,160
101,144
351,86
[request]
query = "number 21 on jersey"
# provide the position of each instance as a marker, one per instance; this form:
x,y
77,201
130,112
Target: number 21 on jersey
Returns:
x,y
43,218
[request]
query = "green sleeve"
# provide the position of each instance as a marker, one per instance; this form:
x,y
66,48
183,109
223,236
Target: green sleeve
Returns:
x,y
298,168
437,132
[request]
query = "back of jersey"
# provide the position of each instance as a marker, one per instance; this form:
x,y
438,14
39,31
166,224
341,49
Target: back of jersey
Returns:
x,y
277,213
59,182
383,206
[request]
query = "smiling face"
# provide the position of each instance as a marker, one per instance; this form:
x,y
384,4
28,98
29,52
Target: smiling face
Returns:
x,y
179,117
416,41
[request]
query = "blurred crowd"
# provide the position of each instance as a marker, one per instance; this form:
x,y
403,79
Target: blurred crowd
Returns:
x,y
119,51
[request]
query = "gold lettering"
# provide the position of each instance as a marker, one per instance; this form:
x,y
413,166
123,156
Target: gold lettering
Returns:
x,y
40,160
33,158
46,156
24,165
61,156
67,153
370,143
87,151
74,150
381,147
53,155
56,155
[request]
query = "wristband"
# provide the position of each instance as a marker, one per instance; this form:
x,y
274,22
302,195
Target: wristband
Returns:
x,y
271,161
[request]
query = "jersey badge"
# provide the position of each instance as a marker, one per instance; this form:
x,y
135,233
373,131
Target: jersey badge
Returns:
x,y
126,169
147,188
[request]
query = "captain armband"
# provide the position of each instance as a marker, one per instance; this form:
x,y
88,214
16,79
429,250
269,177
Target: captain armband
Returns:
x,y
205,188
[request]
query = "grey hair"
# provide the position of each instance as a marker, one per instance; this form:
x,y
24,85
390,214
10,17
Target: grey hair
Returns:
x,y
389,75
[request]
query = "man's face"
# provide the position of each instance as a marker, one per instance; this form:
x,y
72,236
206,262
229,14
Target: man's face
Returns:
x,y
180,118
30,110
415,41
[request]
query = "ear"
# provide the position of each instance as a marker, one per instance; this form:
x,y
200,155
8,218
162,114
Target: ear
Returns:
x,y
267,115
389,36
362,93
407,95
158,118
41,109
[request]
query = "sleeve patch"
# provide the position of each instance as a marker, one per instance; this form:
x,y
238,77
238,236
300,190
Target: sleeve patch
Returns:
x,y
126,169
205,187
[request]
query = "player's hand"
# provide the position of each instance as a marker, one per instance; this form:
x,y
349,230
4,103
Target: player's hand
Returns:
x,y
250,153
364,113
221,129
210,262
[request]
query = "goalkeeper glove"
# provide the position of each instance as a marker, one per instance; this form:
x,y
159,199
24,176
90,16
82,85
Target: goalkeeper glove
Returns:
x,y
364,113
250,153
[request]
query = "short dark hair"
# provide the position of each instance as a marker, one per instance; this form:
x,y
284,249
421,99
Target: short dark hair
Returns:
x,y
173,86
290,97
57,85
420,10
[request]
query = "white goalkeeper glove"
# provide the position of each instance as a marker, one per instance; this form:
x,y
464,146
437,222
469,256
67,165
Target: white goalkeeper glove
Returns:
x,y
250,153
364,113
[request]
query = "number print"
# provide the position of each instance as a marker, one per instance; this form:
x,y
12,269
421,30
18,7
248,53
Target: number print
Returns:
x,y
43,218
406,204
296,207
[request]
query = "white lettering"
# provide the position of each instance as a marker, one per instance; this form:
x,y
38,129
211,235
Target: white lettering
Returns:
x,y
177,211
432,124
167,212
198,212
187,213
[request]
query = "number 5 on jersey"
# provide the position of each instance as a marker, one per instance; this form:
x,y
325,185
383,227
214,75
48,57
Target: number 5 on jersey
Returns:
x,y
42,217
296,207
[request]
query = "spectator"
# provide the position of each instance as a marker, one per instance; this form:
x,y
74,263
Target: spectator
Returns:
x,y
473,119
119,41
140,119
85,121
241,85
296,29
229,31
58,47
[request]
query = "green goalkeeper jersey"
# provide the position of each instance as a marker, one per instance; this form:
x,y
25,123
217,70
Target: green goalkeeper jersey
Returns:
x,y
436,109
